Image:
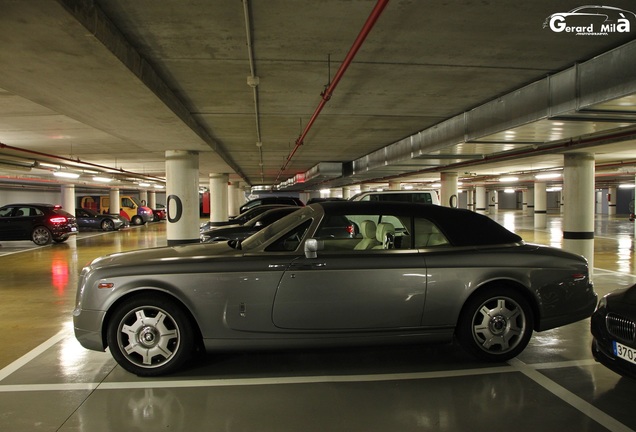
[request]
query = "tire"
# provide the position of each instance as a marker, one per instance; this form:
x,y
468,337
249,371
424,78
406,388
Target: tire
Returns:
x,y
137,220
150,335
495,324
41,236
107,225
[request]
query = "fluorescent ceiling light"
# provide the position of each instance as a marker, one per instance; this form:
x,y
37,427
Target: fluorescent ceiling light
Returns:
x,y
508,179
158,186
627,186
64,174
144,184
102,179
547,176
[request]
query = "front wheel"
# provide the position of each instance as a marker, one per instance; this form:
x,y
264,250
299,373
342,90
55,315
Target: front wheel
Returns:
x,y
107,225
150,335
41,236
495,324
137,220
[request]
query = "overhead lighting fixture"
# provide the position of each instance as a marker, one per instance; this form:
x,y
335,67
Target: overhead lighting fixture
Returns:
x,y
158,186
627,186
508,179
47,165
144,184
102,179
547,176
64,174
509,191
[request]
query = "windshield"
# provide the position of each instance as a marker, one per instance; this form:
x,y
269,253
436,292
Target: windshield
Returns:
x,y
281,225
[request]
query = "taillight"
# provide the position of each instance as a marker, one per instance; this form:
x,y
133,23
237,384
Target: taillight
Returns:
x,y
58,220
351,229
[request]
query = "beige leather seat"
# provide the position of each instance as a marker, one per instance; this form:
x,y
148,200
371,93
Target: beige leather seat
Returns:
x,y
385,235
369,241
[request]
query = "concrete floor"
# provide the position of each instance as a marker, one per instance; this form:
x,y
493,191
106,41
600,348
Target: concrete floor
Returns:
x,y
48,382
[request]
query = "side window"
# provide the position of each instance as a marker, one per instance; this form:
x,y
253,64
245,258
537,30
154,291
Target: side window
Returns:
x,y
370,232
336,226
291,240
426,234
6,212
127,202
422,198
25,211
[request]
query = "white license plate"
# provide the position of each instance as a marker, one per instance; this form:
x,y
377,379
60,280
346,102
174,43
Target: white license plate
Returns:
x,y
73,229
624,352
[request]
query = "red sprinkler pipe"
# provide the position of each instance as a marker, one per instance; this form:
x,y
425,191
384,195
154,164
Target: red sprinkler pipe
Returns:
x,y
326,95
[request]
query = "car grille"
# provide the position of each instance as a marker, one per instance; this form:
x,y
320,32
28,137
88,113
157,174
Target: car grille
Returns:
x,y
620,327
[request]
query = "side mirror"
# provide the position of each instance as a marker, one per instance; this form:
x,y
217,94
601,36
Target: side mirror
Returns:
x,y
312,246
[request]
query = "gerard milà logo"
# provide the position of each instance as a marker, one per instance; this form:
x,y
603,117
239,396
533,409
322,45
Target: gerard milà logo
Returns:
x,y
591,21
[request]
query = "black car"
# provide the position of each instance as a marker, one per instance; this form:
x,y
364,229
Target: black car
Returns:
x,y
88,218
613,326
243,217
40,223
271,200
240,232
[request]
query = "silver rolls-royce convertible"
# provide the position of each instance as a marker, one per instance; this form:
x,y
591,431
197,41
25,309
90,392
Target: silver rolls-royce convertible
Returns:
x,y
333,273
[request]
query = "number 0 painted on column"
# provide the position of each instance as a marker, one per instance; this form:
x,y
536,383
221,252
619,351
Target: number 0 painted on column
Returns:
x,y
178,206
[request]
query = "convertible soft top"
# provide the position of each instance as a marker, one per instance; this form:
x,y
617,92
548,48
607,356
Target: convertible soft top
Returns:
x,y
461,227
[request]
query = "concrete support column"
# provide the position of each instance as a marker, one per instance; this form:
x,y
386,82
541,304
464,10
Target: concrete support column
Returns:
x,y
152,199
335,193
143,198
218,197
530,200
182,197
611,201
232,198
68,198
524,201
448,192
470,199
578,217
493,202
346,192
480,199
114,201
540,205
394,185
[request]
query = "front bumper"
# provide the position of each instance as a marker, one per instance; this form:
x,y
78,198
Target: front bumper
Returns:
x,y
87,325
603,351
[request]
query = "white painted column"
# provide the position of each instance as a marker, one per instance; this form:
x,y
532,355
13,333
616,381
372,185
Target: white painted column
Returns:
x,y
530,201
611,201
218,197
540,205
68,198
182,197
114,201
232,198
492,202
346,192
579,193
524,201
480,200
152,199
143,197
470,199
448,192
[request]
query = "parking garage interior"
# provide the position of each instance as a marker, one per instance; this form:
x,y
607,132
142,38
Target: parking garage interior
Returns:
x,y
476,100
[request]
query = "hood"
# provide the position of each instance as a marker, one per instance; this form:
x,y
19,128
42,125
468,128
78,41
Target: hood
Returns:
x,y
165,255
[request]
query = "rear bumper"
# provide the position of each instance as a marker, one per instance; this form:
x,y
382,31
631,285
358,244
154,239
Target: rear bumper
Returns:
x,y
582,313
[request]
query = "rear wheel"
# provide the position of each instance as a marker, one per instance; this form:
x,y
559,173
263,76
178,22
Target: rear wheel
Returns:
x,y
41,236
150,335
496,324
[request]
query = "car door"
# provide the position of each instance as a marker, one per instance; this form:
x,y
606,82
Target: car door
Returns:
x,y
6,220
356,290
22,223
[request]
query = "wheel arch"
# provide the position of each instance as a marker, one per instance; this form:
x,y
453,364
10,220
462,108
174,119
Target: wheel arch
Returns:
x,y
511,284
155,291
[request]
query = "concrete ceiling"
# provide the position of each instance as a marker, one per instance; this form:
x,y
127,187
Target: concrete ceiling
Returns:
x,y
477,87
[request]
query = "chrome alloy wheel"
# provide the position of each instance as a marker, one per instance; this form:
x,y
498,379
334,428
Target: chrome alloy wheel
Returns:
x,y
499,325
148,336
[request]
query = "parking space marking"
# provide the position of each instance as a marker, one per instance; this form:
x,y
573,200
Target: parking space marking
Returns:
x,y
567,396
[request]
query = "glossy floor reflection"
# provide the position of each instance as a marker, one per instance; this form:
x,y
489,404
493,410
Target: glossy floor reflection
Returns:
x,y
48,382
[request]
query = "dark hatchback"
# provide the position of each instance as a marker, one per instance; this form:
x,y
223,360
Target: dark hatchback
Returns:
x,y
613,326
40,223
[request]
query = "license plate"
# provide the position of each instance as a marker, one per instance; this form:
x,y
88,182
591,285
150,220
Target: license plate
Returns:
x,y
624,352
73,229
